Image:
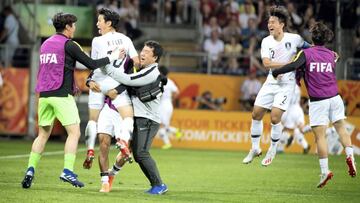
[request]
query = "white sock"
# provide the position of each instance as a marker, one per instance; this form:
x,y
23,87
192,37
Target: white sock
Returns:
x,y
276,130
105,179
164,136
349,151
256,132
90,134
300,138
324,167
172,130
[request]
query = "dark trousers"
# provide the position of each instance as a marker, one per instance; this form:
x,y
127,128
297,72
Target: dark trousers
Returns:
x,y
143,135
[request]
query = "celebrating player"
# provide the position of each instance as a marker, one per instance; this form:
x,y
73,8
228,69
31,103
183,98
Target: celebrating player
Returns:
x,y
277,49
100,84
325,102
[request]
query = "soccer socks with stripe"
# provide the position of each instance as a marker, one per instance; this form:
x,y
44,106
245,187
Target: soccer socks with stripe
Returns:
x,y
276,131
256,131
69,161
34,159
115,169
324,167
90,134
104,177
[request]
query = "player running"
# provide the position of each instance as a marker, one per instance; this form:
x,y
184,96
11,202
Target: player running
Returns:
x,y
166,104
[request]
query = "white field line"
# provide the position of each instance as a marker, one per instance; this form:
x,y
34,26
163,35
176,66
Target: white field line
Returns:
x,y
43,154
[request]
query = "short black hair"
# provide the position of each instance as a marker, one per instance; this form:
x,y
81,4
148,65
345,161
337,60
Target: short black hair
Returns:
x,y
163,70
281,13
60,20
110,15
157,48
321,34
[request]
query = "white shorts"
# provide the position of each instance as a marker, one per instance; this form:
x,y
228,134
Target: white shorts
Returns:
x,y
109,122
321,112
166,113
96,100
293,117
275,95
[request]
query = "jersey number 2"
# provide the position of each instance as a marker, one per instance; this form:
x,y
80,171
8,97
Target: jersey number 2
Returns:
x,y
272,54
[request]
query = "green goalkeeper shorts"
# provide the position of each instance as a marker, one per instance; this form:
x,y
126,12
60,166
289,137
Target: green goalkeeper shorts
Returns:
x,y
62,108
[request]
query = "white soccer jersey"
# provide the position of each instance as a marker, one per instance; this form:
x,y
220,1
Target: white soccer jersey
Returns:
x,y
101,46
281,52
166,102
169,89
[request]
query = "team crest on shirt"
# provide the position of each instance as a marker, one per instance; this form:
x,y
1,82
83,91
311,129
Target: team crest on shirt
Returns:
x,y
287,45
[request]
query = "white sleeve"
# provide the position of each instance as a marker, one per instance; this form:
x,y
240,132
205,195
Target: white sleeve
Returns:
x,y
173,87
141,78
94,49
132,51
264,49
299,41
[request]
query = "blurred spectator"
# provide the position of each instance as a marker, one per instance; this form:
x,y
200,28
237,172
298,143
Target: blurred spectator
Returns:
x,y
242,4
212,26
207,102
232,30
248,13
225,15
296,20
234,5
232,51
174,11
9,36
306,31
148,10
251,36
249,89
208,9
110,4
129,12
263,9
357,42
214,47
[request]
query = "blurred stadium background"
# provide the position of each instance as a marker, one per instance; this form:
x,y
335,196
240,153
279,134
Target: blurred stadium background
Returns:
x,y
184,28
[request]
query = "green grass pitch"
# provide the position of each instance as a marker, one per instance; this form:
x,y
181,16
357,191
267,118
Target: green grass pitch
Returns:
x,y
191,175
